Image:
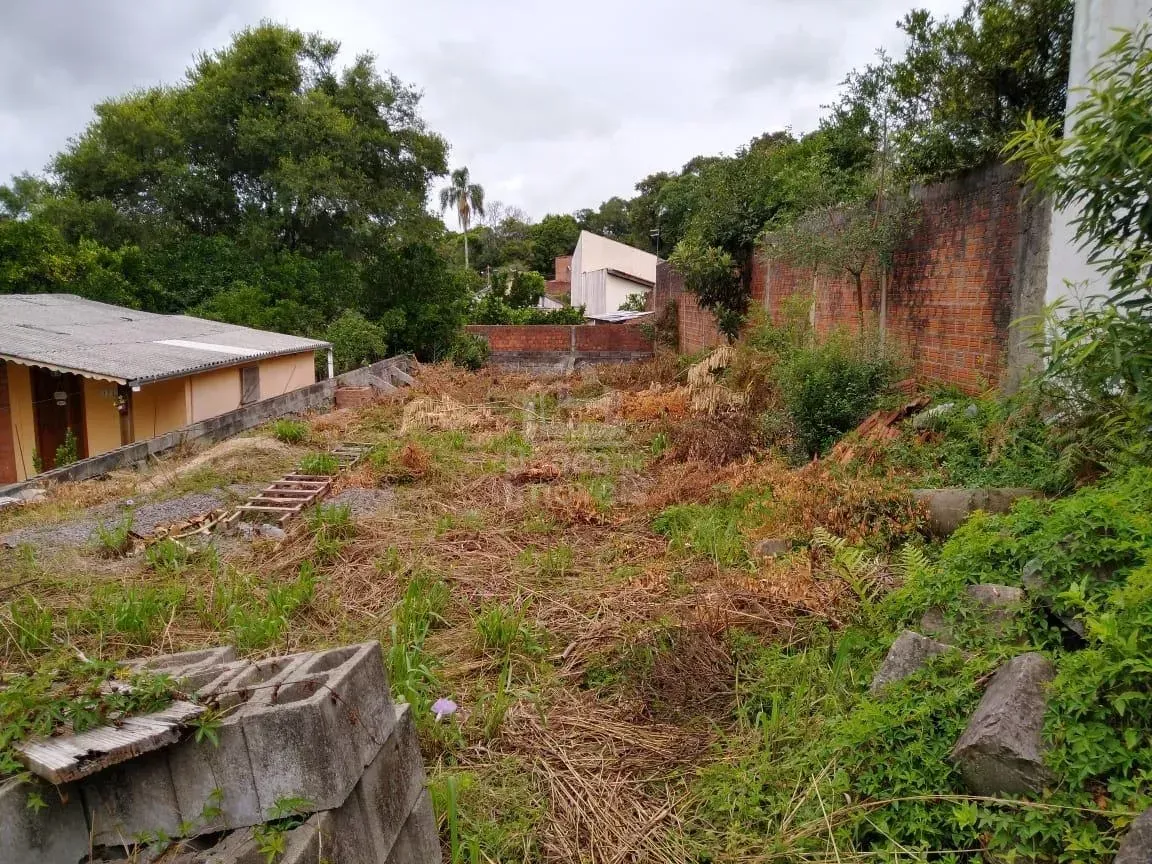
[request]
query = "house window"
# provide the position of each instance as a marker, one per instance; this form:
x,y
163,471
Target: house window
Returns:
x,y
249,384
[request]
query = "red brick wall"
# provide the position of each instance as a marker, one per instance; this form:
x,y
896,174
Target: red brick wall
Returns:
x,y
525,337
544,344
950,293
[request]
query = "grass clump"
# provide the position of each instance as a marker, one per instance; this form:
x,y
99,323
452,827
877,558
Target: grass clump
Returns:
x,y
502,631
290,431
319,464
115,540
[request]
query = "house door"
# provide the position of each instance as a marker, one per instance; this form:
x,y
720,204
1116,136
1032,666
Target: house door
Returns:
x,y
7,448
58,403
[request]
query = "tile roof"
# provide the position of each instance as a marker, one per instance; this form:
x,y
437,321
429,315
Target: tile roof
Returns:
x,y
69,333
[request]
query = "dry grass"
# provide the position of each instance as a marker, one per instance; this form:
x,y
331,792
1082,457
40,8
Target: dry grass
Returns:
x,y
526,532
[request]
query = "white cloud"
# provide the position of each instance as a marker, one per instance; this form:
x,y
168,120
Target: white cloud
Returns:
x,y
552,107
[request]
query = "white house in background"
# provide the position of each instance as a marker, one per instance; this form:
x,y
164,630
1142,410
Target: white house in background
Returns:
x,y
605,273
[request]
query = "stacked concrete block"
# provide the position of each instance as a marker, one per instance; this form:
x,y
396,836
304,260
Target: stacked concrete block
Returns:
x,y
317,728
55,834
301,727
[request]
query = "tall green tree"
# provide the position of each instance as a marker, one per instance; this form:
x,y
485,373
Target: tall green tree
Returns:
x,y
466,198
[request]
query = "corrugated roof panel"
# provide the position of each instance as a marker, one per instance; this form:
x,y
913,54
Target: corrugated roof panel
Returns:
x,y
68,332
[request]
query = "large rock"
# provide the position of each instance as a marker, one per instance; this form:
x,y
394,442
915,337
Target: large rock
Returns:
x,y
771,547
1137,845
1001,751
947,508
995,607
909,654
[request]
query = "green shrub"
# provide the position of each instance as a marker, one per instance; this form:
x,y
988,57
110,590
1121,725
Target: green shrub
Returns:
x,y
29,626
356,341
69,451
828,388
988,442
137,613
169,556
502,631
710,530
469,350
290,431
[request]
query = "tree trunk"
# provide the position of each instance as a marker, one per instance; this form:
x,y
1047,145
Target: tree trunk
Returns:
x,y
465,248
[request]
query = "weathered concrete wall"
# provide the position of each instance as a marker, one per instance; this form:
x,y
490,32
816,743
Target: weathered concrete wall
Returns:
x,y
1093,33
320,396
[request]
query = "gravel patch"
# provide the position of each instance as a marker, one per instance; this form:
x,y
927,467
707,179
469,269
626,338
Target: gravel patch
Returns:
x,y
146,518
364,502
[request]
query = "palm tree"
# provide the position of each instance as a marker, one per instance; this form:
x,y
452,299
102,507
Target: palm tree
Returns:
x,y
467,198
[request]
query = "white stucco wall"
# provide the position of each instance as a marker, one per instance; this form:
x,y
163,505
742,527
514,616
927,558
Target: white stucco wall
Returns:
x,y
617,290
595,254
1069,274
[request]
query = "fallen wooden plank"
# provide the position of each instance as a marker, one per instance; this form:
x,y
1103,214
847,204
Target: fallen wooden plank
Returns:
x,y
268,509
70,757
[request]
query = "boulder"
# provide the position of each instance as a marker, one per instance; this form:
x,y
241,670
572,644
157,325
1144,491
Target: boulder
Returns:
x,y
947,508
927,418
771,547
1137,845
908,655
996,608
1001,751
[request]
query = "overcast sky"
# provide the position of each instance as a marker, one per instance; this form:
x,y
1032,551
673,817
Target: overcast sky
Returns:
x,y
553,106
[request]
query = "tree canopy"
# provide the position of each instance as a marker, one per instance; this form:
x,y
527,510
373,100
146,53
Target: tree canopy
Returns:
x,y
268,188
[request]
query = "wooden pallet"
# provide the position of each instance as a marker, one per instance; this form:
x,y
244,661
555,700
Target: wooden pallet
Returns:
x,y
287,497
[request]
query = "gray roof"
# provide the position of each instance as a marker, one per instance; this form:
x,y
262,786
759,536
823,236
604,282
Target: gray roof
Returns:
x,y
69,333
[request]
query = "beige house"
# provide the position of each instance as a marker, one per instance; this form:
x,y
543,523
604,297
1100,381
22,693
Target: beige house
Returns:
x,y
104,376
605,273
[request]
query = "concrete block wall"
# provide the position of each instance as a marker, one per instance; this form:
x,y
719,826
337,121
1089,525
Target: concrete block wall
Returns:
x,y
317,727
976,262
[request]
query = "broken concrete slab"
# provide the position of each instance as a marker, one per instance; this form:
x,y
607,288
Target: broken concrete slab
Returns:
x,y
910,653
1001,751
399,377
1136,847
55,834
67,758
948,508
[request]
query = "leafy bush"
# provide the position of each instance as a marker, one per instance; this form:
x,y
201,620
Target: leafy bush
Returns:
x,y
828,388
469,351
492,310
290,431
69,451
356,341
987,442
